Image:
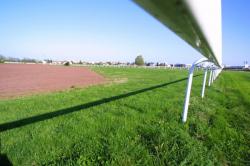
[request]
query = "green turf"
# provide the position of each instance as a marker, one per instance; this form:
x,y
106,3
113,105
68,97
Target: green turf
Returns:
x,y
135,119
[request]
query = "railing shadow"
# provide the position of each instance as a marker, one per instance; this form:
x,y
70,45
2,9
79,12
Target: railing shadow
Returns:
x,y
50,115
4,160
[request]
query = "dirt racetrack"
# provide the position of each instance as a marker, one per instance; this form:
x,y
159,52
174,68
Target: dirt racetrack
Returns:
x,y
25,79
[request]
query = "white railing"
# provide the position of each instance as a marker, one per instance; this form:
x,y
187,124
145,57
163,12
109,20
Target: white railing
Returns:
x,y
214,72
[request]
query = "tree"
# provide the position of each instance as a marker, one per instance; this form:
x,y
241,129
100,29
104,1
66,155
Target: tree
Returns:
x,y
139,60
2,58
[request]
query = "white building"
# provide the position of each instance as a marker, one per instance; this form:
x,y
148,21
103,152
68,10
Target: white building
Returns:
x,y
246,66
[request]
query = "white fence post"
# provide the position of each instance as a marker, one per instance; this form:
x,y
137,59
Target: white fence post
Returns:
x,y
210,77
204,83
212,80
189,86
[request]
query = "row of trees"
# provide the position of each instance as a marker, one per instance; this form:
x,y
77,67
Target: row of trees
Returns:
x,y
11,59
138,60
2,59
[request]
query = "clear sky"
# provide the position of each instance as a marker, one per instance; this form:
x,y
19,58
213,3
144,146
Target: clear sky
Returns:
x,y
110,30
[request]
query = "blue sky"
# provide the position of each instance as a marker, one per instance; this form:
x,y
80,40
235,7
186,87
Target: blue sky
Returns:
x,y
110,30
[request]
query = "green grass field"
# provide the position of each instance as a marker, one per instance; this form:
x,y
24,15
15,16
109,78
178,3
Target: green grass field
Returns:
x,y
135,119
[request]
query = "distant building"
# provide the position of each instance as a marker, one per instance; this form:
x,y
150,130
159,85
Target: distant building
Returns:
x,y
150,64
179,65
246,66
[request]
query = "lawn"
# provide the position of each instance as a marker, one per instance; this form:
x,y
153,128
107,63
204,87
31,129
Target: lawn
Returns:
x,y
134,119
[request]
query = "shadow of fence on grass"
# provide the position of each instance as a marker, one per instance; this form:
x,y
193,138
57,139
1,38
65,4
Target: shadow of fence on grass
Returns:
x,y
4,160
45,116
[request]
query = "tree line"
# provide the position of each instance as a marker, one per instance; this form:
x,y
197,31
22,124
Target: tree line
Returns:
x,y
12,59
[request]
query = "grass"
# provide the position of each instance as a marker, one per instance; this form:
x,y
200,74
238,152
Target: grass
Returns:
x,y
133,120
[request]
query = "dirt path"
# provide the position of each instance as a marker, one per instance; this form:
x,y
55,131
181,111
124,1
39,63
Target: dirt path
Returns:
x,y
24,79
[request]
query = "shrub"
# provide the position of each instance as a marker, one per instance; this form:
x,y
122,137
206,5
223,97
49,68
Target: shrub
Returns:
x,y
67,64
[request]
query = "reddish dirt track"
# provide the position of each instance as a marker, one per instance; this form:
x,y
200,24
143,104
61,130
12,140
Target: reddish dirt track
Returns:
x,y
25,79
